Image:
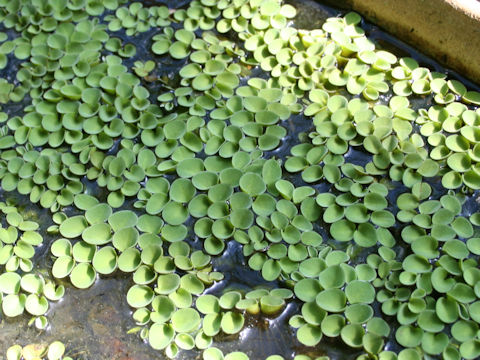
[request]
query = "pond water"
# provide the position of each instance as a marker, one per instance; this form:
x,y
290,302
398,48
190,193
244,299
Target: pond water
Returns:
x,y
93,323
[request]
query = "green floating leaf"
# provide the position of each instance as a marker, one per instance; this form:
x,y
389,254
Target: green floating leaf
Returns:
x,y
160,335
185,320
331,300
309,335
231,322
139,296
56,350
358,291
252,184
352,335
83,276
14,305
73,227
62,267
10,283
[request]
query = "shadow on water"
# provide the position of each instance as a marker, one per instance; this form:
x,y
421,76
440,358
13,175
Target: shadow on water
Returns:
x,y
93,323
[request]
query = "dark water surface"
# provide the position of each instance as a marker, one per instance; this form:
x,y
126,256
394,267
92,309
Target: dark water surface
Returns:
x,y
93,323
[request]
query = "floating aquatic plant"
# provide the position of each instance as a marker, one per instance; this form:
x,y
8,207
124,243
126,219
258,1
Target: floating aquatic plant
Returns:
x,y
53,351
199,157
22,289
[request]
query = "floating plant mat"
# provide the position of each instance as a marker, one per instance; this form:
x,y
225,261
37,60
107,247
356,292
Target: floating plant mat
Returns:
x,y
53,351
242,188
